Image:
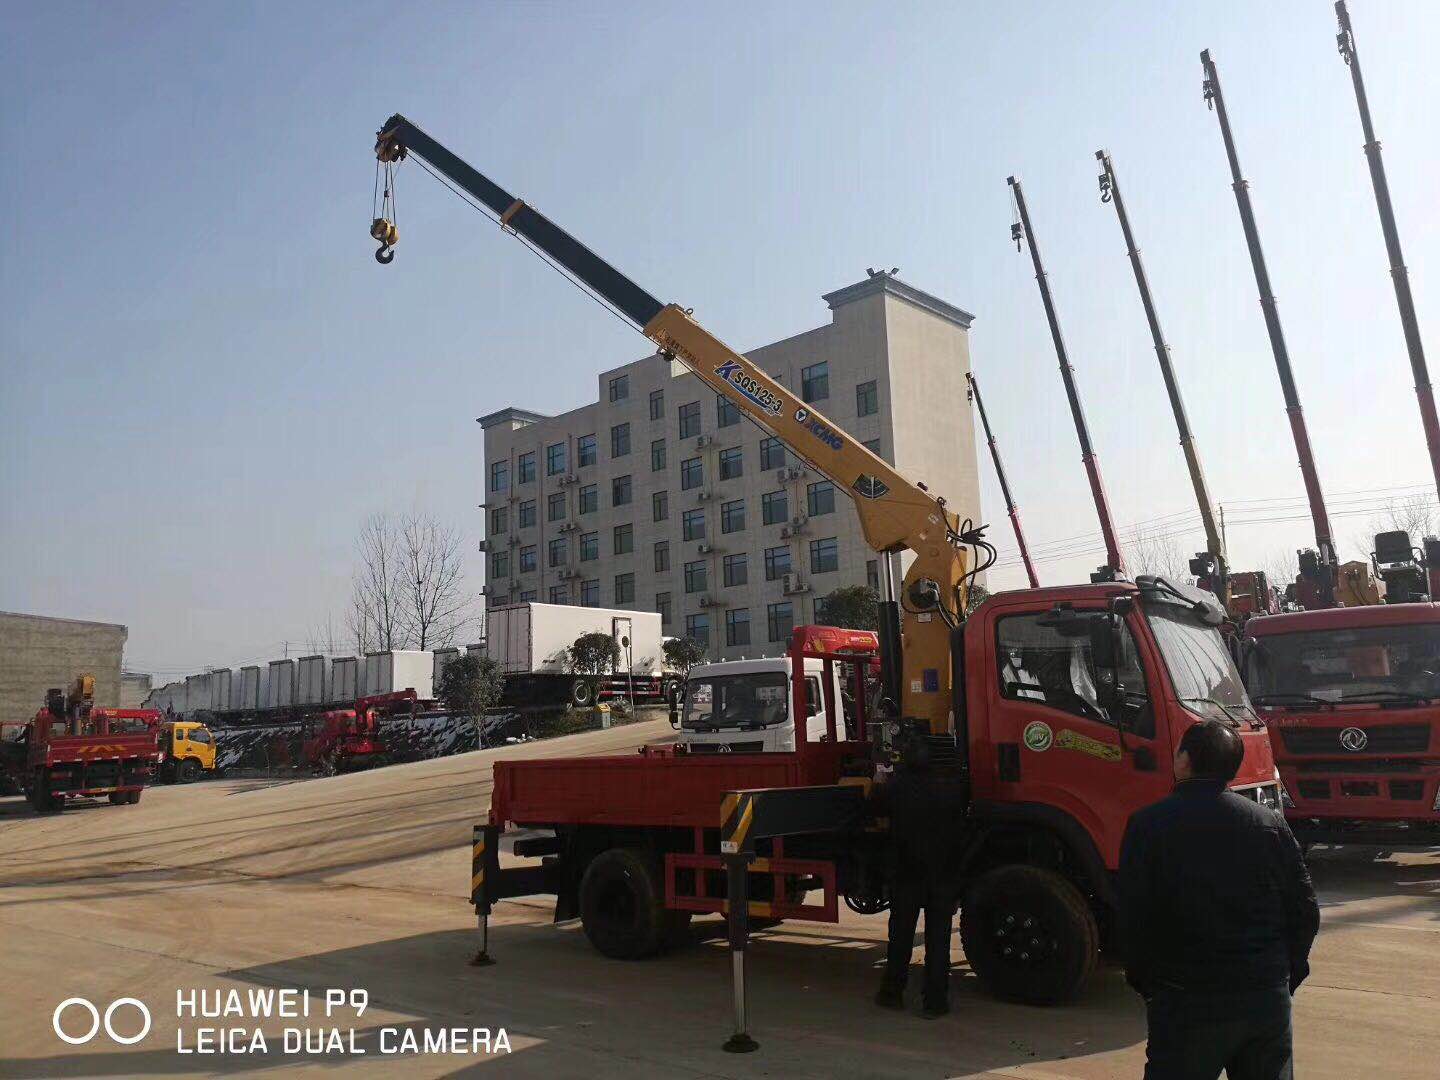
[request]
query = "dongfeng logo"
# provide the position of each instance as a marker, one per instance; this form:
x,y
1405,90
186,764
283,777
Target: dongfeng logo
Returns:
x,y
1354,739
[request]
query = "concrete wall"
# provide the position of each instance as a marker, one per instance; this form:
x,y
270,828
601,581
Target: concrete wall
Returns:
x,y
37,653
913,345
134,689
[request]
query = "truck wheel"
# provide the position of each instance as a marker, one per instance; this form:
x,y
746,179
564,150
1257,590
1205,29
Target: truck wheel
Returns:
x,y
189,771
1029,935
582,693
118,797
167,771
622,905
135,796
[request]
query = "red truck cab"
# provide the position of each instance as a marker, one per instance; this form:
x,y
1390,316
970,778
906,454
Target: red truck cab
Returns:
x,y
1352,700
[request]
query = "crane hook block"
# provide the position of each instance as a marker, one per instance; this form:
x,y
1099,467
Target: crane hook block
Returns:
x,y
385,254
388,235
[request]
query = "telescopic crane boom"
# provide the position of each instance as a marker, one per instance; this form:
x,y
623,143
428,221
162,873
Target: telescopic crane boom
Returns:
x,y
1401,277
1010,507
1114,566
1318,568
1209,566
896,514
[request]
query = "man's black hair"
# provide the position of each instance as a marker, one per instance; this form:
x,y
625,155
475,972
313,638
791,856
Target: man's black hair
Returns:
x,y
1215,750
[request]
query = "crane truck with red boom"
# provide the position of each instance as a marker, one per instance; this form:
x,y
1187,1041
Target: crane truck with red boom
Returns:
x,y
1057,710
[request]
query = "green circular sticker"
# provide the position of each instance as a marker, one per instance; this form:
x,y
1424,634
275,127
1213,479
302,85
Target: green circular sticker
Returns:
x,y
1038,736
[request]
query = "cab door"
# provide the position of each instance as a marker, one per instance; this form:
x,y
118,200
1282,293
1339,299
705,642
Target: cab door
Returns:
x,y
1055,744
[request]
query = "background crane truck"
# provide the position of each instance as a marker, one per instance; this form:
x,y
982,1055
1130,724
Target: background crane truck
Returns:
x,y
1058,711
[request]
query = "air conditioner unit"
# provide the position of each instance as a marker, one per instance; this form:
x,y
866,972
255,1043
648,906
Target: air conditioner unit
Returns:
x,y
570,478
567,573
795,472
793,584
706,549
705,496
797,522
703,441
782,475
786,532
570,526
708,601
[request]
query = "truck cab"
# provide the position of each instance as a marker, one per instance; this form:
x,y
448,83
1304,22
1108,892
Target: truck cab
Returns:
x,y
747,706
187,750
1352,700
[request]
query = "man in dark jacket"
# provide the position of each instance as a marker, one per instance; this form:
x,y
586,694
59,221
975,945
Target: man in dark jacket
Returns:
x,y
926,807
1218,915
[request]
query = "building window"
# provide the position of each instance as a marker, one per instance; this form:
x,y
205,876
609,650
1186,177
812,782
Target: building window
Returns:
x,y
736,570
619,440
585,451
737,626
732,464
527,513
872,575
590,593
698,627
820,498
662,605
555,459
499,520
873,445
824,555
662,556
620,388
777,562
726,412
556,553
624,588
692,524
555,506
589,546
624,539
620,491
690,420
499,565
815,381
657,455
657,404
696,579
589,498
772,454
774,508
527,558
499,475
660,506
867,399
525,466
527,596
779,620
692,473
732,516
559,594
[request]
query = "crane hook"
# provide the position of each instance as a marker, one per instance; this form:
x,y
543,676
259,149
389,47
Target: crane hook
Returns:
x,y
384,254
388,235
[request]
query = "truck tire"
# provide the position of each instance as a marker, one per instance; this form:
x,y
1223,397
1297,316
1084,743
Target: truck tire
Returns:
x,y
119,797
622,906
189,771
43,799
135,796
1029,935
582,693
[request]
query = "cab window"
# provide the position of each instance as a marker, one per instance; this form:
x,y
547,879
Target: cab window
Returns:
x,y
1039,664
200,735
814,702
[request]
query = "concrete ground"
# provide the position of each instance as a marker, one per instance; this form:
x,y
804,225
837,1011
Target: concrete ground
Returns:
x,y
361,882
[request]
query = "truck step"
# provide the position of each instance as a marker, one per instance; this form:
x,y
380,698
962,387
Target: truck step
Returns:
x,y
534,847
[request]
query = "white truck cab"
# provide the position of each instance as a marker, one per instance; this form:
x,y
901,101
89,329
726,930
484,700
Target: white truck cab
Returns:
x,y
745,707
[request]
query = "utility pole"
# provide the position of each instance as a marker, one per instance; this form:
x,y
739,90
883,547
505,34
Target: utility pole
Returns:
x,y
1114,566
1401,277
1010,507
1317,568
1209,566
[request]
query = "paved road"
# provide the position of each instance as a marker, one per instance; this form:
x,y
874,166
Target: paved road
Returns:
x,y
360,882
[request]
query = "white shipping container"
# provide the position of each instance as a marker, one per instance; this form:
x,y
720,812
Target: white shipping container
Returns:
x,y
220,683
312,680
344,672
280,685
398,669
442,658
251,693
535,638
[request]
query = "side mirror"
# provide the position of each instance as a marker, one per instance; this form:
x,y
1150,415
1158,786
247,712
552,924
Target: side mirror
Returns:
x,y
1105,655
675,713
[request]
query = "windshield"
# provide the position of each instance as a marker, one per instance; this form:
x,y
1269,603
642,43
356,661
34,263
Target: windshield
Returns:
x,y
756,699
1373,663
1200,666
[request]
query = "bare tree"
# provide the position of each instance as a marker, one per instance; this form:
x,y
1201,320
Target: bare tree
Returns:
x,y
1281,568
377,616
432,594
325,638
1153,551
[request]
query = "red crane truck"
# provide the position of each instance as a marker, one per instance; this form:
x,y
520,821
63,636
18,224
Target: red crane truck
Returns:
x,y
1058,711
350,739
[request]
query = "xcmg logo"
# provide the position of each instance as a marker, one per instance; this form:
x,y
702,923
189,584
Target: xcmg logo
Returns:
x,y
84,1005
819,429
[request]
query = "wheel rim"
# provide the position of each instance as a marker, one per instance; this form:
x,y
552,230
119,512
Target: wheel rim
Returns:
x,y
1022,939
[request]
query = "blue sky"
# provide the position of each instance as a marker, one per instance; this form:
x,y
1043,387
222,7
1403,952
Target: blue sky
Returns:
x,y
206,383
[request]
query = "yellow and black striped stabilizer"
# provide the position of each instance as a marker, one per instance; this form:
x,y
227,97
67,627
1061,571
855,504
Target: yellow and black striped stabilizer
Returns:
x,y
765,813
737,817
484,862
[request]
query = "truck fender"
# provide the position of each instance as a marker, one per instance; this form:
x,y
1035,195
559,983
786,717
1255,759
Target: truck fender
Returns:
x,y
1069,833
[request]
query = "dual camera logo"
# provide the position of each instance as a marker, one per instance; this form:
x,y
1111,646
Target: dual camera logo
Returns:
x,y
97,1021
